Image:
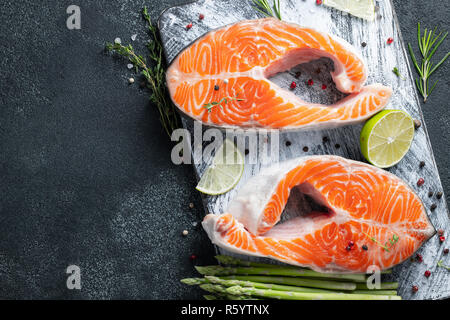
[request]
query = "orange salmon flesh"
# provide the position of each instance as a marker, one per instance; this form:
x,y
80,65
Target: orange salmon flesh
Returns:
x,y
236,62
366,206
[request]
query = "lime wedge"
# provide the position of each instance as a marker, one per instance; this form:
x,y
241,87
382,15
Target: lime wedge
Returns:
x,y
386,137
360,8
225,171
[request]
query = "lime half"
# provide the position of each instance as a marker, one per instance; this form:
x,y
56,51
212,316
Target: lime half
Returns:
x,y
225,171
387,137
360,8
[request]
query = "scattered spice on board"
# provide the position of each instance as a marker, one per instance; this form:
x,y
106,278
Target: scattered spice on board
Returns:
x,y
441,239
427,273
364,44
185,233
310,82
325,139
305,149
422,164
189,26
446,251
439,194
419,257
288,143
337,145
293,85
390,40
415,288
201,16
433,207
324,86
430,194
191,205
420,182
441,232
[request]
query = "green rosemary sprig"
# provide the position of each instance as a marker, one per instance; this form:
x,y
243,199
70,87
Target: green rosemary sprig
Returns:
x,y
388,245
225,100
154,74
442,265
264,7
397,73
428,44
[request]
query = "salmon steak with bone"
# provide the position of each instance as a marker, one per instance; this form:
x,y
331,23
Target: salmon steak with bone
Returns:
x,y
371,217
229,70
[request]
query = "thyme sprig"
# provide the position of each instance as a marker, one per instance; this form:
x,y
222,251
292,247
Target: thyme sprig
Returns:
x,y
387,245
225,100
442,265
428,44
265,8
154,74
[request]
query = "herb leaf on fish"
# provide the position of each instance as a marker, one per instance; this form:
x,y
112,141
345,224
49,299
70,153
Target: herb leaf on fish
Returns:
x,y
154,74
225,100
428,44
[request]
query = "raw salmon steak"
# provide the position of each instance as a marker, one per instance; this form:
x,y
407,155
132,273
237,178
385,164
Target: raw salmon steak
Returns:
x,y
370,217
229,70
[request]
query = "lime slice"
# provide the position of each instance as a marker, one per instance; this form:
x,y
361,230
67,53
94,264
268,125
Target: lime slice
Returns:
x,y
386,137
225,171
360,8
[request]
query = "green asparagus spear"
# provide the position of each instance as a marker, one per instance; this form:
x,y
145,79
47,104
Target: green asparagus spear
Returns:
x,y
379,292
280,271
211,297
289,295
259,285
232,261
299,282
383,286
194,281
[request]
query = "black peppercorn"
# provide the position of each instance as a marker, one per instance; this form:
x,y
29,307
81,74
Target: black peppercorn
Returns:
x,y
216,87
433,206
365,248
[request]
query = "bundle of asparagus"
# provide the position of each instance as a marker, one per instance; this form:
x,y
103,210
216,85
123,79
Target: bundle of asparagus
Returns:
x,y
236,279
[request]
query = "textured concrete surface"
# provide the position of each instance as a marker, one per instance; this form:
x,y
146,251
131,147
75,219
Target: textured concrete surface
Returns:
x,y
85,169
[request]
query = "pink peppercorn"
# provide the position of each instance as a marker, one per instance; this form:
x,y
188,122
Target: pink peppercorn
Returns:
x,y
446,251
293,85
310,82
390,40
201,16
324,86
318,2
420,182
193,257
415,288
419,257
427,273
440,232
441,239
189,26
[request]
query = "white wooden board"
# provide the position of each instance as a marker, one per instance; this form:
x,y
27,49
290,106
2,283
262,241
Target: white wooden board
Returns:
x,y
380,58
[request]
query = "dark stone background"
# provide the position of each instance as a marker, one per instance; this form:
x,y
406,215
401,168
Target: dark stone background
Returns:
x,y
85,170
